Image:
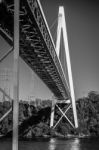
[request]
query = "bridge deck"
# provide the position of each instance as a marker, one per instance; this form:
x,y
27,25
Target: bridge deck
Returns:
x,y
36,45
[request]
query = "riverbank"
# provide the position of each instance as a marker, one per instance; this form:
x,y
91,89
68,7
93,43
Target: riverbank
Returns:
x,y
34,119
56,135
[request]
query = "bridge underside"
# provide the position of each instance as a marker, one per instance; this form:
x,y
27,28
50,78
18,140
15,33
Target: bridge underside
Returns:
x,y
36,45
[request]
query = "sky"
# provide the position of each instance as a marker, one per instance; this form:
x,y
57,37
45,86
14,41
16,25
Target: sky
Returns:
x,y
82,19
82,22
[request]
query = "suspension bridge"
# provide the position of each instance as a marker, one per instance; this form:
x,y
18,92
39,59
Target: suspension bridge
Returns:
x,y
29,36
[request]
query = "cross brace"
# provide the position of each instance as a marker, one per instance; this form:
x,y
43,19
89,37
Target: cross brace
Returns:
x,y
63,115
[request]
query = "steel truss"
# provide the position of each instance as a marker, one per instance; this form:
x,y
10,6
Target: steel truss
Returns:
x,y
37,48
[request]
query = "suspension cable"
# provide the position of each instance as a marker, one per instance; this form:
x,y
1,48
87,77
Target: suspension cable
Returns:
x,y
53,24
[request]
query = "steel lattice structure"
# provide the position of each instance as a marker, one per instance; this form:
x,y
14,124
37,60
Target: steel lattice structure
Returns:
x,y
37,48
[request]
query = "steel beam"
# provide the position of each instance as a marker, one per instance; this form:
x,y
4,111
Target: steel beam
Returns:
x,y
62,116
61,9
16,76
52,114
6,114
65,116
58,34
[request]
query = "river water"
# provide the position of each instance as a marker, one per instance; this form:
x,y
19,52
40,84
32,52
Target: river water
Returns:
x,y
54,144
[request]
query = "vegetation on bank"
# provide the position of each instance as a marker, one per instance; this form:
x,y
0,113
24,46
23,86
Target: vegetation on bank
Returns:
x,y
34,119
88,114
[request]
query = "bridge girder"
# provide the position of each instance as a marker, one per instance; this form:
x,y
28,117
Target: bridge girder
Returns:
x,y
37,48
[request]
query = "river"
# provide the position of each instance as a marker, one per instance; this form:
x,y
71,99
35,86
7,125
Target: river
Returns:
x,y
54,144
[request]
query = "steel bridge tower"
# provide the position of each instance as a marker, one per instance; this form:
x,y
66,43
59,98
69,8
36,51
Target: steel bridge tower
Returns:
x,y
61,29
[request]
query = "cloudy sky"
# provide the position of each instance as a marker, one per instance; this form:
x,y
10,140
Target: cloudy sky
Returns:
x,y
82,19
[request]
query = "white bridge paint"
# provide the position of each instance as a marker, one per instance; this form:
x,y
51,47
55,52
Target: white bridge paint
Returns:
x,y
62,29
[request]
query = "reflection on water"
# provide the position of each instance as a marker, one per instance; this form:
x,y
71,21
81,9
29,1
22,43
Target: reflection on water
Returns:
x,y
52,144
75,144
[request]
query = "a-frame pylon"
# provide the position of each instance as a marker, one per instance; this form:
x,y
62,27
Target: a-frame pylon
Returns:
x,y
61,29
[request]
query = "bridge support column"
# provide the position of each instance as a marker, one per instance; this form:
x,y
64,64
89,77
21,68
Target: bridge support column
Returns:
x,y
70,77
52,114
62,29
16,76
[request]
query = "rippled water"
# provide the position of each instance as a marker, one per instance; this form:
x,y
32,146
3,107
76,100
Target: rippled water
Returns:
x,y
54,144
